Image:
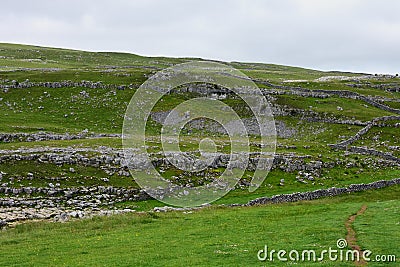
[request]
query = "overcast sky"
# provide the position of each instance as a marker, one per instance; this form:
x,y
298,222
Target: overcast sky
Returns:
x,y
350,35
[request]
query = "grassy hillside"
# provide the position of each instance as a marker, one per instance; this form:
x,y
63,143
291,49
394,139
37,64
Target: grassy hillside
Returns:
x,y
212,237
60,104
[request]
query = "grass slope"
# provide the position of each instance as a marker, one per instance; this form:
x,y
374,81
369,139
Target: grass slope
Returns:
x,y
213,236
209,237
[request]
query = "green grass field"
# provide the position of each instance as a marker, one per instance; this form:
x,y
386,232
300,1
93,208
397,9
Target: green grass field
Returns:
x,y
209,237
217,235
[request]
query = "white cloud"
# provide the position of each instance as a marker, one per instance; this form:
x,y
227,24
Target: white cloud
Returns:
x,y
358,35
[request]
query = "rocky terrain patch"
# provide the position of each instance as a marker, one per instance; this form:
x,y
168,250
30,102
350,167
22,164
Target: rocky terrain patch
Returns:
x,y
59,201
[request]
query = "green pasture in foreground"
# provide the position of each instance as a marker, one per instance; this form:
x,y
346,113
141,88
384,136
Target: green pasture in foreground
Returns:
x,y
208,237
